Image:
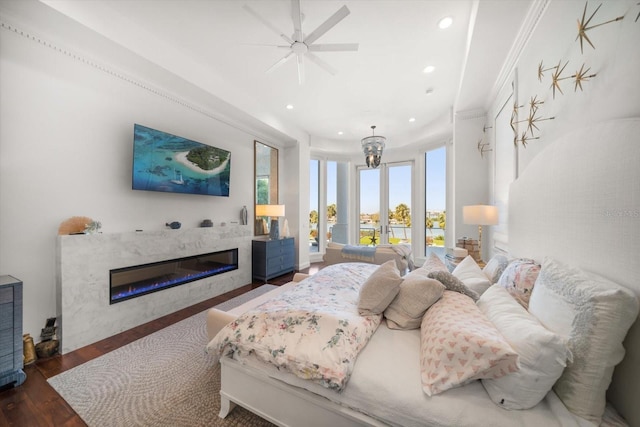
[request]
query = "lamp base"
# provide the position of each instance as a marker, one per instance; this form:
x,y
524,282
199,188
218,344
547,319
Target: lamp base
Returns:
x,y
274,232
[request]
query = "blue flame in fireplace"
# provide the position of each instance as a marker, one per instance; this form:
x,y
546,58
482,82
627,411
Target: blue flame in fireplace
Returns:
x,y
133,290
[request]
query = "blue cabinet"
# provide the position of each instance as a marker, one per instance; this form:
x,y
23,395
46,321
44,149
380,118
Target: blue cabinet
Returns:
x,y
272,258
11,363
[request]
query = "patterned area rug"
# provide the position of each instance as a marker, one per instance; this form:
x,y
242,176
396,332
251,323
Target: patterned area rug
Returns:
x,y
163,379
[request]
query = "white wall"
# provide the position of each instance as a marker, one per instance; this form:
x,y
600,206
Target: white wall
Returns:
x,y
470,175
613,93
66,149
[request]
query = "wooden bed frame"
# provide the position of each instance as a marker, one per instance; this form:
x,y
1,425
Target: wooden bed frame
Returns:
x,y
574,173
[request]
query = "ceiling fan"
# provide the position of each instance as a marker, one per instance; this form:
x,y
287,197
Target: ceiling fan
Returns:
x,y
301,45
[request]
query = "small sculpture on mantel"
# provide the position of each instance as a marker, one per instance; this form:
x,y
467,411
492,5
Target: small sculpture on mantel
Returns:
x,y
93,227
174,225
244,216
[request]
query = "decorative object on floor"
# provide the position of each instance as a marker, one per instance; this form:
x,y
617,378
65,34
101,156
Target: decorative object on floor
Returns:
x,y
301,44
480,215
47,348
28,349
244,216
274,212
74,225
372,147
49,330
178,386
173,225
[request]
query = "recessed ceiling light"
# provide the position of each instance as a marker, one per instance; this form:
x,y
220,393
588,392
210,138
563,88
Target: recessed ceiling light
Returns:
x,y
340,133
412,119
429,69
445,22
289,107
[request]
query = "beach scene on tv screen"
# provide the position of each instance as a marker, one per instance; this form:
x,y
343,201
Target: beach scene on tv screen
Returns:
x,y
169,163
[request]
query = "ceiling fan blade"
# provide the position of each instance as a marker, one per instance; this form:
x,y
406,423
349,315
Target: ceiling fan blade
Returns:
x,y
327,25
334,47
265,44
328,68
300,69
268,24
297,20
280,62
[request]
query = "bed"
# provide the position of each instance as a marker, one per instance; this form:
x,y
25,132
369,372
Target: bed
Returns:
x,y
597,189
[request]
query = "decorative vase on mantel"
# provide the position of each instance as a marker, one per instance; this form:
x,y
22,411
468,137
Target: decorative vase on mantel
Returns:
x,y
244,216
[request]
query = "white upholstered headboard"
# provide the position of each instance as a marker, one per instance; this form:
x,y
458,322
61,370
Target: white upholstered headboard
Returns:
x,y
578,201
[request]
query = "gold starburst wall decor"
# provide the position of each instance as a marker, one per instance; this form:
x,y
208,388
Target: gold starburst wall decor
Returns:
x,y
532,121
542,70
583,25
483,147
581,76
524,139
556,78
514,117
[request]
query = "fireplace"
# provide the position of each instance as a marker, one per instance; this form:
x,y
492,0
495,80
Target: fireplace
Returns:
x,y
131,282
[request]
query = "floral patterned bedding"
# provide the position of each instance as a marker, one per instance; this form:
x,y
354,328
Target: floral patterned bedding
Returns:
x,y
313,330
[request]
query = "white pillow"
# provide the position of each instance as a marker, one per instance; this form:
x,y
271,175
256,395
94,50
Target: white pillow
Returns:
x,y
594,314
542,353
470,273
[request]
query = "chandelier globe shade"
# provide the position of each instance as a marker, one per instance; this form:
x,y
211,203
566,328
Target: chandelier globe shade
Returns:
x,y
372,147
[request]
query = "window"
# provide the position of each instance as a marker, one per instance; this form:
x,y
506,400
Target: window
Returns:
x,y
435,201
328,204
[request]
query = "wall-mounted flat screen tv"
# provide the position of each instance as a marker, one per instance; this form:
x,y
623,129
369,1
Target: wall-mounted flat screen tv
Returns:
x,y
169,163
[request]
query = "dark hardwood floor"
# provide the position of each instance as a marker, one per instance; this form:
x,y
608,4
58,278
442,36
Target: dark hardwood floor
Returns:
x,y
35,403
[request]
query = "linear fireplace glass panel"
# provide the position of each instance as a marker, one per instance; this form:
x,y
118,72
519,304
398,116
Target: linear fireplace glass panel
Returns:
x,y
131,282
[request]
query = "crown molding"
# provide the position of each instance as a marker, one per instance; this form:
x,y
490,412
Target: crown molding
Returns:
x,y
530,23
250,125
471,114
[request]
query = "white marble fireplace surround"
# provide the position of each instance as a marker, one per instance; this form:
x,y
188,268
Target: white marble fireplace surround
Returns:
x,y
84,261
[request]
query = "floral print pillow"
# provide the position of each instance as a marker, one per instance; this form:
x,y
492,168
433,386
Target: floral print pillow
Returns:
x,y
495,267
518,279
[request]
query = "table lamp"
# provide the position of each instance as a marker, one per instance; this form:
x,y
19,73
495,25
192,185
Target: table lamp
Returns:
x,y
274,212
480,215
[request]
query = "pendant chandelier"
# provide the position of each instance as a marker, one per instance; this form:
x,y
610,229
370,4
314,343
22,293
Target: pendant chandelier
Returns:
x,y
372,147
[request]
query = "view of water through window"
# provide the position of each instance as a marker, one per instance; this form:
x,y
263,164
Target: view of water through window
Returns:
x,y
384,216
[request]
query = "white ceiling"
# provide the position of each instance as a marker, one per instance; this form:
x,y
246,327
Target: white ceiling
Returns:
x,y
218,46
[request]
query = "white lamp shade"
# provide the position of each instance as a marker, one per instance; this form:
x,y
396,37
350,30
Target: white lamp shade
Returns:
x,y
269,210
480,215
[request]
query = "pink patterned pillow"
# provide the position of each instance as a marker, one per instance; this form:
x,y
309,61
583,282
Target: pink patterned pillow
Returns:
x,y
459,344
518,278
